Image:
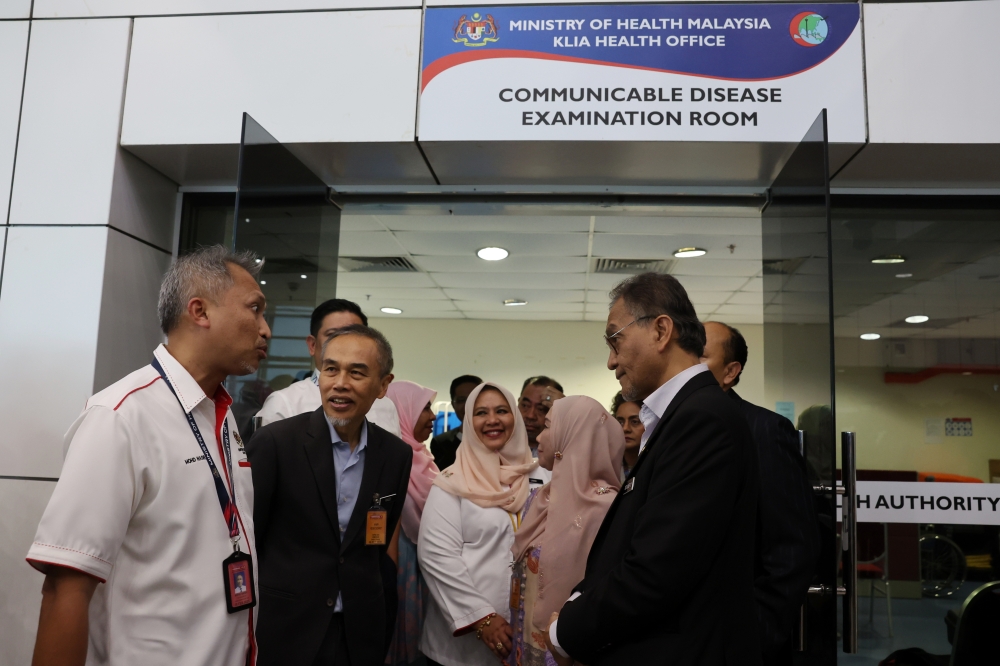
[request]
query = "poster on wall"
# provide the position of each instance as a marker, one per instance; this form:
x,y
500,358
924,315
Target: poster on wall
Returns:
x,y
666,72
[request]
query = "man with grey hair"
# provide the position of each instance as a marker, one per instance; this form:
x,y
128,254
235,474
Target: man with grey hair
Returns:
x,y
670,575
329,490
150,502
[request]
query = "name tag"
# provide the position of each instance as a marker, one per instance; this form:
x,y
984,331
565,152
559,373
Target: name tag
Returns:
x,y
237,576
375,529
627,488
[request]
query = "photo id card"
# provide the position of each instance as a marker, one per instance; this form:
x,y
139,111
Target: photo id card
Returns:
x,y
375,529
237,576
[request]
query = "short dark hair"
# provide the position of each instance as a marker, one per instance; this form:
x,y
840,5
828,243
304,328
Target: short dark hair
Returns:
x,y
331,306
735,349
464,379
542,380
654,294
383,348
618,401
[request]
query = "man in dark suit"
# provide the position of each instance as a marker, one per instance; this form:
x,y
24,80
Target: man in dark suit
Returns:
x,y
787,529
669,579
444,446
320,481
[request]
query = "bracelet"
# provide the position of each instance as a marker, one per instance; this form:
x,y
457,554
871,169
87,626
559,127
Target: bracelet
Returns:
x,y
485,623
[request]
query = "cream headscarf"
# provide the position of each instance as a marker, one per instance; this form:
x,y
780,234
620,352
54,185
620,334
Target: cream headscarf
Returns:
x,y
585,445
490,478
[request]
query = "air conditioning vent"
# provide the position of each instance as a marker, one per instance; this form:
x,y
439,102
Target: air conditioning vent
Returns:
x,y
377,265
782,266
632,266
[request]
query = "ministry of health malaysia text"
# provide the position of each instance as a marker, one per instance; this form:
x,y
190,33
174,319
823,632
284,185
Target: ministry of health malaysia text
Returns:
x,y
635,24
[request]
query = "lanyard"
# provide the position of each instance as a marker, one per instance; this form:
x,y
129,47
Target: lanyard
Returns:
x,y
515,520
228,506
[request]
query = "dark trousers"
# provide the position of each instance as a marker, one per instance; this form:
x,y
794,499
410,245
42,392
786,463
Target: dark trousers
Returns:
x,y
333,651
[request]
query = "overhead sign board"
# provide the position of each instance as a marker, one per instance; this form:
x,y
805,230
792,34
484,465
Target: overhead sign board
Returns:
x,y
916,502
667,72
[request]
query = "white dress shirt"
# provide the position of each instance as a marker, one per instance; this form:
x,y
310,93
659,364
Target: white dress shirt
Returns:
x,y
464,554
653,409
136,507
303,396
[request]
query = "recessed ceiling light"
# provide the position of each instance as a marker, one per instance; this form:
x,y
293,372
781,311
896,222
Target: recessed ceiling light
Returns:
x,y
257,261
889,259
263,281
392,311
686,252
870,336
514,301
248,219
967,374
916,319
303,276
904,275
492,253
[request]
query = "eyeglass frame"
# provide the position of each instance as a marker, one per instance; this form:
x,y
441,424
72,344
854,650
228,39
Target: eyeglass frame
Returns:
x,y
609,338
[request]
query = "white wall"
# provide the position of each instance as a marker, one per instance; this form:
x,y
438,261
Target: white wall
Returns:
x,y
432,352
932,76
306,77
13,51
88,8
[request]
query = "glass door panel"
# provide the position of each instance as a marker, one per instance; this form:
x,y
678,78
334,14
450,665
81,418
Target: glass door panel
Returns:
x,y
798,351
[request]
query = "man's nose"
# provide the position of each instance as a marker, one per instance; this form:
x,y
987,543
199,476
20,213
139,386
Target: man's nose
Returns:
x,y
265,330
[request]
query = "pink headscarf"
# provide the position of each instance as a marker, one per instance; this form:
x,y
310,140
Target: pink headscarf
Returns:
x,y
490,478
585,446
410,399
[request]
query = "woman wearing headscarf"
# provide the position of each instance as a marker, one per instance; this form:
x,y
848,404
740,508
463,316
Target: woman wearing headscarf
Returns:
x,y
467,530
416,422
582,446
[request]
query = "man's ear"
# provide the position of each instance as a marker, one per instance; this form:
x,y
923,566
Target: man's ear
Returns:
x,y
733,371
664,332
197,310
385,385
311,344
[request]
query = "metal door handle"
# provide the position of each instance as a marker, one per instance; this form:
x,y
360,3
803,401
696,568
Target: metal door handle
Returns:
x,y
849,540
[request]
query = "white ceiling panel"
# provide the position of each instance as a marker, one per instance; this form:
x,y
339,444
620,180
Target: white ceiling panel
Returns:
x,y
532,316
397,280
532,306
480,223
361,295
672,226
736,319
747,298
737,309
512,264
422,314
410,306
368,244
690,282
359,223
511,280
724,267
534,295
639,246
528,244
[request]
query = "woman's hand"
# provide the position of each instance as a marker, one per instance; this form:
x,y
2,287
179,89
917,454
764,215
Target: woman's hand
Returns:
x,y
499,637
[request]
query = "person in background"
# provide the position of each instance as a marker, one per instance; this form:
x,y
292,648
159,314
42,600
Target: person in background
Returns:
x,y
669,579
582,447
443,446
537,395
468,527
626,412
329,491
148,506
303,396
788,537
413,404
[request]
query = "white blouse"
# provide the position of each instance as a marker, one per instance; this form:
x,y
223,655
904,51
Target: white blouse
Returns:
x,y
464,554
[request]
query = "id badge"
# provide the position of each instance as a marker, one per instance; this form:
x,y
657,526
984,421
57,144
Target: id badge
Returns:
x,y
237,577
375,528
515,593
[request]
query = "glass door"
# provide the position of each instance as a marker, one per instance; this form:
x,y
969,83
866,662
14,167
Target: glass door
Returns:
x,y
284,215
798,355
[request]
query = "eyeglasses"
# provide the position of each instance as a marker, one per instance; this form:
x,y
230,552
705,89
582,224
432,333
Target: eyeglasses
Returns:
x,y
610,339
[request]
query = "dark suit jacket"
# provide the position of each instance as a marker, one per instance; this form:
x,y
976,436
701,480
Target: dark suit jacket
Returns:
x,y
303,565
669,579
444,446
787,528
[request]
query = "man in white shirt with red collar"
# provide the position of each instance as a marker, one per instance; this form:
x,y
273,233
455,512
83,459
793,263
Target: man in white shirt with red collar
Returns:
x,y
155,499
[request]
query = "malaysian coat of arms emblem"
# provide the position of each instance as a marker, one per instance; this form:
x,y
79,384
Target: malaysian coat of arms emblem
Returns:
x,y
475,30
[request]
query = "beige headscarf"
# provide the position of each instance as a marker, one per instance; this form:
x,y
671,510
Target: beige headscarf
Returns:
x,y
490,478
585,445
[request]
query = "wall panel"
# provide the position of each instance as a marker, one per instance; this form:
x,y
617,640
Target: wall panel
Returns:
x,y
306,77
13,49
86,8
20,585
49,310
70,122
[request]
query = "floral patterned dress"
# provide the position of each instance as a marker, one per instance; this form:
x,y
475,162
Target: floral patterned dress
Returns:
x,y
529,642
410,617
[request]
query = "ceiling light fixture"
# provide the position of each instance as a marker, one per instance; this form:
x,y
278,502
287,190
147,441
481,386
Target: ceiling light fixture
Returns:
x,y
492,253
511,302
904,275
889,259
392,311
916,319
303,276
687,252
257,261
870,336
263,281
